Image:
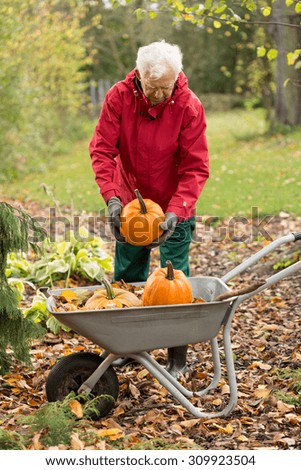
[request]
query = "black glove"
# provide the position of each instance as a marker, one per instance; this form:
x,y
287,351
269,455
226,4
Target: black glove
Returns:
x,y
168,226
114,211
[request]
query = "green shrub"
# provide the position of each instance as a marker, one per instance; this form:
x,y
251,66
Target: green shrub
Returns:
x,y
10,440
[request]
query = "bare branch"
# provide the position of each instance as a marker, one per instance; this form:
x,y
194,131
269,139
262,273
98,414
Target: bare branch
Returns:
x,y
267,23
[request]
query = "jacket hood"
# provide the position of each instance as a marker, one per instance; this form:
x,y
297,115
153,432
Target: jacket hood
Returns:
x,y
142,102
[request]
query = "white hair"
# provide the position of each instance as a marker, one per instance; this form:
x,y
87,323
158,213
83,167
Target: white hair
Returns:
x,y
158,58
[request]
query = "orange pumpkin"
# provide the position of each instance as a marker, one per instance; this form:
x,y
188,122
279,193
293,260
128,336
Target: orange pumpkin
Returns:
x,y
110,297
167,286
140,221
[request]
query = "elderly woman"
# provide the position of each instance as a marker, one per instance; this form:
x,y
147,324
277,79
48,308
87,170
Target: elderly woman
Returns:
x,y
151,136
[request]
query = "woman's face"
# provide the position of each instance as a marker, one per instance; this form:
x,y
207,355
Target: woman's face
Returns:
x,y
157,90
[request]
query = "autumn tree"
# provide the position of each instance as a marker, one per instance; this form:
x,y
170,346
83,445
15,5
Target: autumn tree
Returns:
x,y
42,79
280,18
287,33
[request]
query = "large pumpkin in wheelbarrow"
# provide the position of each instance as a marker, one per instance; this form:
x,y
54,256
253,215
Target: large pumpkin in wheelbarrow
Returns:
x,y
166,286
140,221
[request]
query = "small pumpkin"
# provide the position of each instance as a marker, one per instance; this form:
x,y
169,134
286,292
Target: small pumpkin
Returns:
x,y
167,286
140,221
109,297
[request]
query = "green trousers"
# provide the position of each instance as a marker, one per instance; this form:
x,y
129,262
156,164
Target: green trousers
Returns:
x,y
132,262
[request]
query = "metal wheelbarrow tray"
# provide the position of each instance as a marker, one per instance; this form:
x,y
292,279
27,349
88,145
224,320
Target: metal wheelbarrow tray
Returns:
x,y
131,332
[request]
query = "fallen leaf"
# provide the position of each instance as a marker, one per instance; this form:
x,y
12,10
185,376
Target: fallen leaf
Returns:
x,y
111,423
262,392
227,430
68,295
101,445
34,403
289,441
260,365
292,418
225,389
189,423
113,434
176,429
36,444
133,439
76,443
119,410
142,373
134,390
76,408
217,402
284,407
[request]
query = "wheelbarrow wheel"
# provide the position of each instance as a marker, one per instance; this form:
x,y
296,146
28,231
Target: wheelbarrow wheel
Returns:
x,y
71,371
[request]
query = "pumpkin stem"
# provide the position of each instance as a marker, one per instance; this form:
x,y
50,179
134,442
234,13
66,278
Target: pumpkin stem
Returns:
x,y
143,209
170,272
109,289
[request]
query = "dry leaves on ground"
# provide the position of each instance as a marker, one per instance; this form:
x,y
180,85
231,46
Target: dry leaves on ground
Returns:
x,y
266,341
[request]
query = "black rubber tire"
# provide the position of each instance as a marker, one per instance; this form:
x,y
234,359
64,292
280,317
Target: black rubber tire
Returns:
x,y
71,371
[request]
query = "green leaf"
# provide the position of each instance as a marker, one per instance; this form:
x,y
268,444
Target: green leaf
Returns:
x,y
101,254
266,11
17,265
140,13
40,275
292,57
81,252
18,288
221,9
217,24
261,51
298,65
55,326
298,7
286,82
251,5
115,3
62,247
208,4
272,54
37,312
89,268
106,265
57,266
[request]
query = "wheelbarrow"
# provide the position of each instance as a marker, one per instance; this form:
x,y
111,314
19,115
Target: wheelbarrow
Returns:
x,y
130,332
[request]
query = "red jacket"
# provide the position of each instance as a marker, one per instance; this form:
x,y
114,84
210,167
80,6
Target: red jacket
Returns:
x,y
160,150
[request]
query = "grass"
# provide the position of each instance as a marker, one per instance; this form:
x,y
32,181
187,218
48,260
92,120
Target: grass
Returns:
x,y
292,380
249,168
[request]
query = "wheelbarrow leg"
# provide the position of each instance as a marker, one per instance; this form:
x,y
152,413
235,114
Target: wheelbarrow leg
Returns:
x,y
183,390
120,362
217,369
230,367
89,384
181,359
179,392
176,362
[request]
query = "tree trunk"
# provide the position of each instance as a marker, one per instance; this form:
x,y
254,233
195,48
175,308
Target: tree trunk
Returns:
x,y
288,98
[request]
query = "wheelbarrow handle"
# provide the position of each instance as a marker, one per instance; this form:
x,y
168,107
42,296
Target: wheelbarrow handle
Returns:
x,y
292,237
297,236
45,291
289,271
